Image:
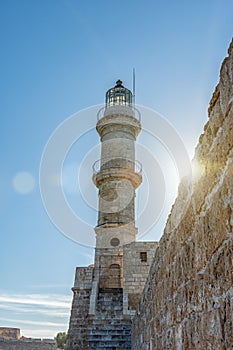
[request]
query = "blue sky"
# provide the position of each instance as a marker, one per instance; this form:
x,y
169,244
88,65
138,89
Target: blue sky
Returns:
x,y
57,58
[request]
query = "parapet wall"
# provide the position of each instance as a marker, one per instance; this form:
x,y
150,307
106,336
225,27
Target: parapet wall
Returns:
x,y
83,277
26,345
187,302
80,308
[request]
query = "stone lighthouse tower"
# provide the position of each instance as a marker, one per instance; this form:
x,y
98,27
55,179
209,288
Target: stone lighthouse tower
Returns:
x,y
106,294
116,175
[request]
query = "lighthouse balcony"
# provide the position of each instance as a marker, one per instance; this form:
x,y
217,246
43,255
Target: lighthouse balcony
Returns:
x,y
119,109
117,168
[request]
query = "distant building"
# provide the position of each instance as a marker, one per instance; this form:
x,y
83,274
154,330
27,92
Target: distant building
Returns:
x,y
10,339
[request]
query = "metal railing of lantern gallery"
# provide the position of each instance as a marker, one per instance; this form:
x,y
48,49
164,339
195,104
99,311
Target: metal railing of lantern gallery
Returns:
x,y
116,109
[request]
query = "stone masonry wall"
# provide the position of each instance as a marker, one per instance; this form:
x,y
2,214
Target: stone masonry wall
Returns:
x,y
26,345
187,302
9,333
136,270
77,334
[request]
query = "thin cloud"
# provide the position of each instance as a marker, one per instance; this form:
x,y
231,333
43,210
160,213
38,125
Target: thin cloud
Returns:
x,y
40,333
35,323
21,309
43,314
49,300
48,286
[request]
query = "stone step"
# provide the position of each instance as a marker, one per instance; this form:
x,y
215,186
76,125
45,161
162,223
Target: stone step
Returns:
x,y
111,295
109,302
108,322
108,337
111,290
108,329
110,345
101,332
112,308
109,306
109,318
113,327
108,299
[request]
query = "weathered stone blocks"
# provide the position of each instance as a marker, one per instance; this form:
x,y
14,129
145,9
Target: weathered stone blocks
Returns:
x,y
187,301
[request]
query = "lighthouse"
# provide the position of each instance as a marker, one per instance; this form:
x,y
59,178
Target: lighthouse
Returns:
x,y
106,294
117,176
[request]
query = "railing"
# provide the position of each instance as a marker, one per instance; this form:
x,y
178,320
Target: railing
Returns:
x,y
119,109
116,163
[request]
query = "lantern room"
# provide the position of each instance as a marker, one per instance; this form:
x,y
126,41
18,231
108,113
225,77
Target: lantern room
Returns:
x,y
119,95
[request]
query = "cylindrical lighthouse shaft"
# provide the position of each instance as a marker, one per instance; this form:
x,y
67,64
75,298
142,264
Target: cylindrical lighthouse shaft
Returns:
x,y
117,193
117,176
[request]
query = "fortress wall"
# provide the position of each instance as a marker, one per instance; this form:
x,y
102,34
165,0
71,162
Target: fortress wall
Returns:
x,y
187,302
137,259
29,345
80,308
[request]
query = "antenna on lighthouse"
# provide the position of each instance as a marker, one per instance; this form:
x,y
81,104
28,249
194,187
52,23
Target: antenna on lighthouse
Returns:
x,y
134,86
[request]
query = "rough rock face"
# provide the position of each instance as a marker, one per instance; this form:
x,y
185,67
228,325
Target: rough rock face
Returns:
x,y
187,302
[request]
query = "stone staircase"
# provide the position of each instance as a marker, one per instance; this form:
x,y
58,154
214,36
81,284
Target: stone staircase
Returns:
x,y
108,329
